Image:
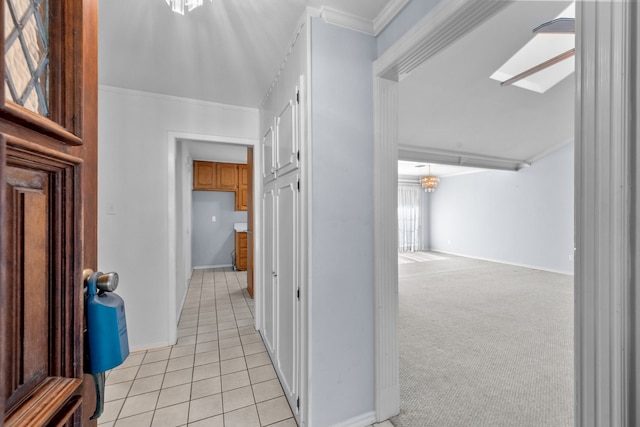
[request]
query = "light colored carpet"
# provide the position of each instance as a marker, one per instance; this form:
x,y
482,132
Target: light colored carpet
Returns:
x,y
484,344
420,256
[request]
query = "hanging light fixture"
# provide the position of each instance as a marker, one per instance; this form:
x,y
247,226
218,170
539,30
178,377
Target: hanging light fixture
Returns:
x,y
180,5
429,182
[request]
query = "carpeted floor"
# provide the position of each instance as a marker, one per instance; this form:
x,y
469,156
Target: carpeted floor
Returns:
x,y
484,344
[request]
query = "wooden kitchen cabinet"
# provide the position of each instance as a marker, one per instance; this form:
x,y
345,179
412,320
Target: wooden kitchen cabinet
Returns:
x,y
214,176
241,250
204,175
243,186
226,176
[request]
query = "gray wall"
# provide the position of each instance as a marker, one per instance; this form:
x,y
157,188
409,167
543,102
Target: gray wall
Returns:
x,y
524,217
342,224
213,242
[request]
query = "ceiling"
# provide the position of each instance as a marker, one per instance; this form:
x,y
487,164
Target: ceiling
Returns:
x,y
228,51
450,105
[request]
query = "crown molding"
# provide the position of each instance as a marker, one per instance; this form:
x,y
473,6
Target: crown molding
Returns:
x,y
447,22
347,20
174,99
447,157
387,14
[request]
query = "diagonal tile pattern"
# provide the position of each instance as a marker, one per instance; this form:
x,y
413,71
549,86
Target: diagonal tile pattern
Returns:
x,y
218,374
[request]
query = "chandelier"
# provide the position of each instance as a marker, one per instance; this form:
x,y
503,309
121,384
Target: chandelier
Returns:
x,y
429,182
180,5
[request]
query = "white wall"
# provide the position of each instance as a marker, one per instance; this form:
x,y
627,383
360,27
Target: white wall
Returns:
x,y
342,365
133,203
523,218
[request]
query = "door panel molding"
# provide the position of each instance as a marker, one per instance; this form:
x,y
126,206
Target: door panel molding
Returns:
x,y
287,262
41,289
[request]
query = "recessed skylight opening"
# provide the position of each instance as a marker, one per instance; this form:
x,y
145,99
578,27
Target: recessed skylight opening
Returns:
x,y
541,48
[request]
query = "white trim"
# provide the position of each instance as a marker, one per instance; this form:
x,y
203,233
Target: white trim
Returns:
x,y
171,98
306,220
387,14
500,261
172,318
385,249
446,157
446,23
304,20
203,267
346,20
362,420
607,41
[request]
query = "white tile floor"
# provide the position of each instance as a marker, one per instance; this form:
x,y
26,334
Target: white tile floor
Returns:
x,y
217,375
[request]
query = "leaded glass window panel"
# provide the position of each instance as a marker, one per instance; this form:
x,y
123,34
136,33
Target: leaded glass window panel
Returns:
x,y
27,54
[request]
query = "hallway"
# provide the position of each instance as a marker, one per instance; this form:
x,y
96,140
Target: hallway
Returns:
x,y
218,374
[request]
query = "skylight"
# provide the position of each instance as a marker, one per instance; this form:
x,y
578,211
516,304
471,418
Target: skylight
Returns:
x,y
541,48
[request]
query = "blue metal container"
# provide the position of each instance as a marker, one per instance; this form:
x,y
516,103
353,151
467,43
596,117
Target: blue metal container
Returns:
x,y
107,331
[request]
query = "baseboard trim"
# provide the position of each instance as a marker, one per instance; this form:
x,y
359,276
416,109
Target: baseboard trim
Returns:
x,y
362,420
500,261
202,267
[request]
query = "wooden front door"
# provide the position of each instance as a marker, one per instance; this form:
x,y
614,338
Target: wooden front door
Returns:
x,y
48,215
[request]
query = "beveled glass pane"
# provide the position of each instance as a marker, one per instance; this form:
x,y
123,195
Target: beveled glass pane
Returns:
x,y
27,54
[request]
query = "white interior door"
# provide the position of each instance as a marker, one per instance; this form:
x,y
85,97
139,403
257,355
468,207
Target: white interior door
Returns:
x,y
268,263
287,288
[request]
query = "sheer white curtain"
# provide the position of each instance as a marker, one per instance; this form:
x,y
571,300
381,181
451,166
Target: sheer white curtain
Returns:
x,y
409,217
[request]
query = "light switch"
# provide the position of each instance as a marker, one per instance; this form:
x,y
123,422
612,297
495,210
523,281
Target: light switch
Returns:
x,y
213,219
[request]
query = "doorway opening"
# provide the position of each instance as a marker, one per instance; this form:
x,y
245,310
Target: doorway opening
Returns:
x,y
604,264
485,330
182,147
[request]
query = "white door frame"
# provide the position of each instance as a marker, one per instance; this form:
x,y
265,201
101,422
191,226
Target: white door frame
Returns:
x,y
606,193
173,139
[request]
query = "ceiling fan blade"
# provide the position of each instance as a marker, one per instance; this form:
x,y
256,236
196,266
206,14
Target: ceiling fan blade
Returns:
x,y
558,26
546,64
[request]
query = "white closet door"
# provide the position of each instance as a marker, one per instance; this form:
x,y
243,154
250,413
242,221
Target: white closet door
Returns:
x,y
268,158
287,144
287,290
268,270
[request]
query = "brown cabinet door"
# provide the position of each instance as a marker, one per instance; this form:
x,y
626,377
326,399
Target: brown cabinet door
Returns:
x,y
227,176
241,251
241,195
204,175
250,221
48,208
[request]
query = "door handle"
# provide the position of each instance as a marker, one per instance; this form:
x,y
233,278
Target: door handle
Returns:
x,y
106,282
